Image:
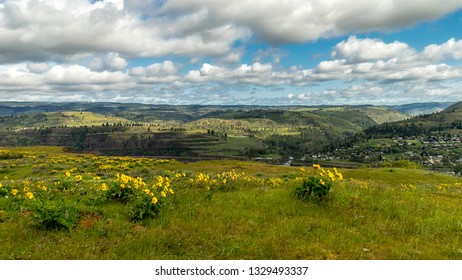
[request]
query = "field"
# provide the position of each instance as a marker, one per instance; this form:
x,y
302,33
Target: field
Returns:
x,y
57,205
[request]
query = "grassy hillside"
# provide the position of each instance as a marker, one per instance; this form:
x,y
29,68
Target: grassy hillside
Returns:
x,y
58,119
441,122
416,109
432,140
57,205
186,131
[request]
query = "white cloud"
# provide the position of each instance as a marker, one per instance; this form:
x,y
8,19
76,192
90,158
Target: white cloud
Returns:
x,y
452,49
301,20
377,94
372,59
38,67
356,50
115,62
111,62
66,30
78,75
54,30
165,72
65,50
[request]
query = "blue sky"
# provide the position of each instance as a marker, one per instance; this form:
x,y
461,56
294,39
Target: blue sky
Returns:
x,y
266,52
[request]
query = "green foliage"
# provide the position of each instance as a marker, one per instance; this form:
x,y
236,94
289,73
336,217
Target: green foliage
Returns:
x,y
371,214
318,185
144,208
10,155
55,214
119,192
313,186
402,163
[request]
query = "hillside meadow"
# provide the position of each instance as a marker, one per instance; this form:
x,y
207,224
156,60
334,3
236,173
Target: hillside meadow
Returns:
x,y
58,205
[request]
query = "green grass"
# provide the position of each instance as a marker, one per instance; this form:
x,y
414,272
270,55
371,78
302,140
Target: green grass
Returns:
x,y
56,119
372,214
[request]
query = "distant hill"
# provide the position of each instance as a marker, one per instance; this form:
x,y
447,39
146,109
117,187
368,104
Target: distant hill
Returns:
x,y
192,131
433,140
445,121
416,109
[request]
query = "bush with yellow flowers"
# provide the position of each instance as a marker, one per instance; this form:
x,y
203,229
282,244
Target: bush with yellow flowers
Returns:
x,y
224,181
146,200
318,185
150,200
30,195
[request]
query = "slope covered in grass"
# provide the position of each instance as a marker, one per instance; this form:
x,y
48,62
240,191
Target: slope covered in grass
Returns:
x,y
219,210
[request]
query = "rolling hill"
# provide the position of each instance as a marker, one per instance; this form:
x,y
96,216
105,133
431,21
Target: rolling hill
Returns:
x,y
186,131
432,140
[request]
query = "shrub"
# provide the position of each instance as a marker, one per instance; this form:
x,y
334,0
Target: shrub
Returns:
x,y
315,186
145,207
146,201
55,214
318,185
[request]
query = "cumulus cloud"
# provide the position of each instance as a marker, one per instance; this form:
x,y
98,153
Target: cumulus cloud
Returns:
x,y
301,20
366,68
356,50
373,59
59,29
38,67
157,73
377,94
78,75
452,49
38,30
45,79
111,62
83,50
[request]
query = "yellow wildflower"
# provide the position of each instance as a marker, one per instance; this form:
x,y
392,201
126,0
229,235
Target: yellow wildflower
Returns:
x,y
316,166
331,175
104,187
147,191
68,174
163,193
14,191
30,195
171,191
154,200
338,174
78,178
321,181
